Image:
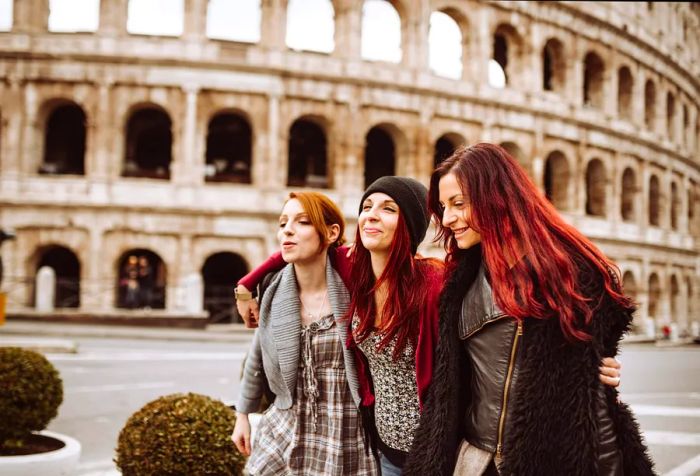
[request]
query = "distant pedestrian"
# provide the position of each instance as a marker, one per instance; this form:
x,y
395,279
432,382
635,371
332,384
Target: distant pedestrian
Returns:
x,y
146,278
130,282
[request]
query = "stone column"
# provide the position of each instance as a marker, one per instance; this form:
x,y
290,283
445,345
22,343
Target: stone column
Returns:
x,y
272,173
274,24
415,44
97,283
100,156
45,289
30,16
13,118
113,17
481,47
188,169
348,29
195,21
31,143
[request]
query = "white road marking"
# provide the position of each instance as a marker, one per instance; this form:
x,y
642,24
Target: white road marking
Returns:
x,y
662,410
145,356
690,467
671,438
119,387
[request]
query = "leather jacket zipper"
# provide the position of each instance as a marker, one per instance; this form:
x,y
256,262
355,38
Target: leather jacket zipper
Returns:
x,y
506,389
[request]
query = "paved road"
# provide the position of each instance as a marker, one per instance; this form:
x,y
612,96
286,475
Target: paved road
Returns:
x,y
111,378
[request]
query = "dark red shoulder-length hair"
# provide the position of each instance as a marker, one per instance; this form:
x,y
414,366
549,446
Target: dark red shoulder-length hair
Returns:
x,y
515,219
404,286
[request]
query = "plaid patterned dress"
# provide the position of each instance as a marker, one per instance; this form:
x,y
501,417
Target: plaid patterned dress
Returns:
x,y
321,434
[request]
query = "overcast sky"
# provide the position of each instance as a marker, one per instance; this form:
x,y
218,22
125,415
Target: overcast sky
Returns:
x,y
309,27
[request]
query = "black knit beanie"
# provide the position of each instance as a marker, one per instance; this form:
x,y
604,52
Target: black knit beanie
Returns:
x,y
412,199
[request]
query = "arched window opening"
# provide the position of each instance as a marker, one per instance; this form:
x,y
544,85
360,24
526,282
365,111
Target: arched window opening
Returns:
x,y
675,298
142,280
593,81
234,21
686,126
64,144
595,188
625,85
381,32
671,116
654,295
148,144
141,15
517,153
675,206
556,180
445,46
308,163
63,17
629,285
650,105
66,267
6,14
220,273
445,146
310,25
380,155
229,149
654,201
629,192
553,66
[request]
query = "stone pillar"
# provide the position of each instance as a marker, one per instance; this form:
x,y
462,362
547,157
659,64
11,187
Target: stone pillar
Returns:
x,y
11,145
271,171
97,284
348,29
195,21
415,44
101,162
113,17
481,47
190,294
273,30
30,16
45,289
31,143
187,168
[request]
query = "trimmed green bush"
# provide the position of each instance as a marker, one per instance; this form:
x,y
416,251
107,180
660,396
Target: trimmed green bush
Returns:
x,y
30,393
179,435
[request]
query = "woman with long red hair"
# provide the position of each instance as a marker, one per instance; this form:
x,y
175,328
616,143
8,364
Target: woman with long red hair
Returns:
x,y
529,308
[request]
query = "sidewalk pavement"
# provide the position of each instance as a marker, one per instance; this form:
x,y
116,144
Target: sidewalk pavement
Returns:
x,y
55,337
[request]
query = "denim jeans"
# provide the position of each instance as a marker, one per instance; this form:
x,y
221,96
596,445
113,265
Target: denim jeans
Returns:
x,y
387,467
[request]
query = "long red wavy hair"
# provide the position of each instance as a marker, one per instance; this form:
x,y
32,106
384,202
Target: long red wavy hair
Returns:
x,y
404,299
514,219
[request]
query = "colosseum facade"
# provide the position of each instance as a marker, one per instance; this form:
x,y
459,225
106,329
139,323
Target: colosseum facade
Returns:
x,y
118,145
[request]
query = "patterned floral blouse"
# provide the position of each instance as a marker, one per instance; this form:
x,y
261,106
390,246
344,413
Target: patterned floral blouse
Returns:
x,y
397,409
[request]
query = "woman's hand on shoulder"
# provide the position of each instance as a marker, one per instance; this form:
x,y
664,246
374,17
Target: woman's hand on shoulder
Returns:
x,y
610,371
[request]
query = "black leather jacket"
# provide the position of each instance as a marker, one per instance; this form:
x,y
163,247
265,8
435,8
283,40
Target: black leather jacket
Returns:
x,y
493,341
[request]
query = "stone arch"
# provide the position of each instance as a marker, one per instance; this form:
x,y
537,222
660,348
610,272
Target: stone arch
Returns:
x,y
66,266
382,24
220,273
671,115
650,104
310,25
629,284
141,280
446,145
64,139
447,43
595,188
556,179
654,293
229,148
517,153
380,152
149,141
625,89
654,201
308,153
507,50
553,66
629,194
593,80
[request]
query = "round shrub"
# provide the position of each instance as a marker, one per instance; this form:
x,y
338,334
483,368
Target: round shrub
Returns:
x,y
30,393
179,434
